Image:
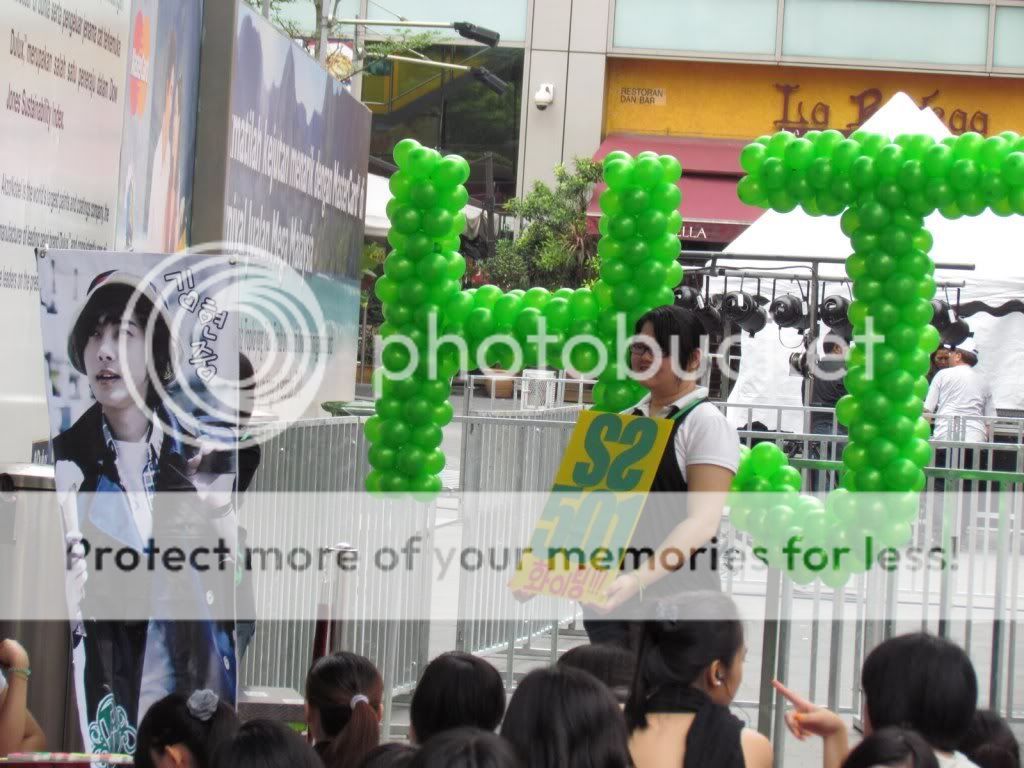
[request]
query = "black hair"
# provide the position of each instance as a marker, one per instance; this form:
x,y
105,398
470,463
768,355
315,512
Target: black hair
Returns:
x,y
673,326
923,682
388,756
265,744
561,717
116,298
169,722
613,665
677,651
989,742
457,689
892,747
333,681
466,748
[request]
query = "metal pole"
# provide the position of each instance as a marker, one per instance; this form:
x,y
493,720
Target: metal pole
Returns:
x,y
489,193
715,257
324,23
812,346
358,41
769,652
388,23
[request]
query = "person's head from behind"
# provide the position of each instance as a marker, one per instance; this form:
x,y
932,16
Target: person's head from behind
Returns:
x,y
343,707
466,748
116,341
699,643
834,345
989,742
456,689
182,731
265,744
563,717
923,682
892,748
666,348
613,665
388,756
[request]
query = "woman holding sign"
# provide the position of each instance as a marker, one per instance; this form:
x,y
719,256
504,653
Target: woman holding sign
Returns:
x,y
673,547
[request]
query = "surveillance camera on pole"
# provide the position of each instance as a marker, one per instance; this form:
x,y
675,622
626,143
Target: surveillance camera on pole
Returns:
x,y
544,96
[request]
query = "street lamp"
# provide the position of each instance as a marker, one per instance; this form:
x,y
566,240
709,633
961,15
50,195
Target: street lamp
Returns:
x,y
469,31
484,75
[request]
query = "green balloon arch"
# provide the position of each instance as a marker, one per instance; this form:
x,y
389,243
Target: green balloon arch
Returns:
x,y
883,189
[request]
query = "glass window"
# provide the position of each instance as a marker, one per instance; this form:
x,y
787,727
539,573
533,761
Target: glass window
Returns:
x,y
886,30
452,112
697,25
303,15
1009,43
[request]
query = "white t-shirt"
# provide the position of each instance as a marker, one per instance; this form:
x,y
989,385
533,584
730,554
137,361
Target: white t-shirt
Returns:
x,y
705,436
131,461
960,391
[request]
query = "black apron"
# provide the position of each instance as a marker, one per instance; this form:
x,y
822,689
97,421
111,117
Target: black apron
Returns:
x,y
660,516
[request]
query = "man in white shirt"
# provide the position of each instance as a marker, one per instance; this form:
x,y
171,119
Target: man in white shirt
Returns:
x,y
959,399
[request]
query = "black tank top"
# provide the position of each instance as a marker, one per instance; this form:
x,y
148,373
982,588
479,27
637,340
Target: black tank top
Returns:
x,y
661,514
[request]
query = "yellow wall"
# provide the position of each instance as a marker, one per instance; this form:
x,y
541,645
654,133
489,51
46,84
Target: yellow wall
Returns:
x,y
739,101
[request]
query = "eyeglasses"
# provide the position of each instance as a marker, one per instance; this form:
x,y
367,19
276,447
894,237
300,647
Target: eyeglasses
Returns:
x,y
641,350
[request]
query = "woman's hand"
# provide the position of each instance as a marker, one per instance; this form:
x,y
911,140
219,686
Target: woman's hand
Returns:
x,y
809,719
12,655
622,589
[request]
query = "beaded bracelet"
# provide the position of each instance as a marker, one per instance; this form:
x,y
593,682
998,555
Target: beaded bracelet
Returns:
x,y
23,673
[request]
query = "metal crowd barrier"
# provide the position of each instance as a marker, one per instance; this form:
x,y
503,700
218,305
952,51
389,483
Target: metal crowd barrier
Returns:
x,y
299,468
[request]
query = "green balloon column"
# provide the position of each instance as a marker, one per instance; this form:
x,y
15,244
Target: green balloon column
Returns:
x,y
638,251
420,280
883,190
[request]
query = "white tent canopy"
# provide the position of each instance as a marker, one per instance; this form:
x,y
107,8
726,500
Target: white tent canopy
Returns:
x,y
995,245
378,194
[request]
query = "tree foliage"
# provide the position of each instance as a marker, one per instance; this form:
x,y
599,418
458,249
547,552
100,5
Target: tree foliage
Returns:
x,y
554,249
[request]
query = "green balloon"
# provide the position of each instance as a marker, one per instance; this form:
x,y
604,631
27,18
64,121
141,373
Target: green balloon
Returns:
x,y
618,174
435,391
625,296
487,296
451,171
422,162
862,172
427,436
418,245
1013,169
434,462
410,460
422,193
647,172
389,408
402,150
615,272
634,201
622,227
848,410
399,267
929,339
751,157
505,310
773,174
584,304
479,324
799,154
459,306
666,197
671,168
374,481
413,292
406,220
393,482
855,456
751,191
766,459
603,293
558,314
394,433
652,224
918,451
397,314
611,202
442,414
453,199
666,248
536,297
634,252
938,160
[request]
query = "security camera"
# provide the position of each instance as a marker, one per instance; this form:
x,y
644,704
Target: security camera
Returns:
x,y
544,96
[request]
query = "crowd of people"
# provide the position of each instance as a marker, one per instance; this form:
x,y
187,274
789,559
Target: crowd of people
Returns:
x,y
601,706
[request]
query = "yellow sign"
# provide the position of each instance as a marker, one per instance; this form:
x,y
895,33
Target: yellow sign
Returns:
x,y
743,101
599,493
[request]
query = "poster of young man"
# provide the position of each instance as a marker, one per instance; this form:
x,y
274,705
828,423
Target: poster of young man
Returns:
x,y
142,359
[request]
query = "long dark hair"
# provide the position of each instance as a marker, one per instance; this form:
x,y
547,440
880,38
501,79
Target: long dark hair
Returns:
x,y
923,682
675,651
331,684
265,744
466,748
892,746
457,689
563,717
613,665
169,722
990,743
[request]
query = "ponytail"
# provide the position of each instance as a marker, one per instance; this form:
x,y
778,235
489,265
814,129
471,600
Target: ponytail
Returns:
x,y
346,690
693,631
